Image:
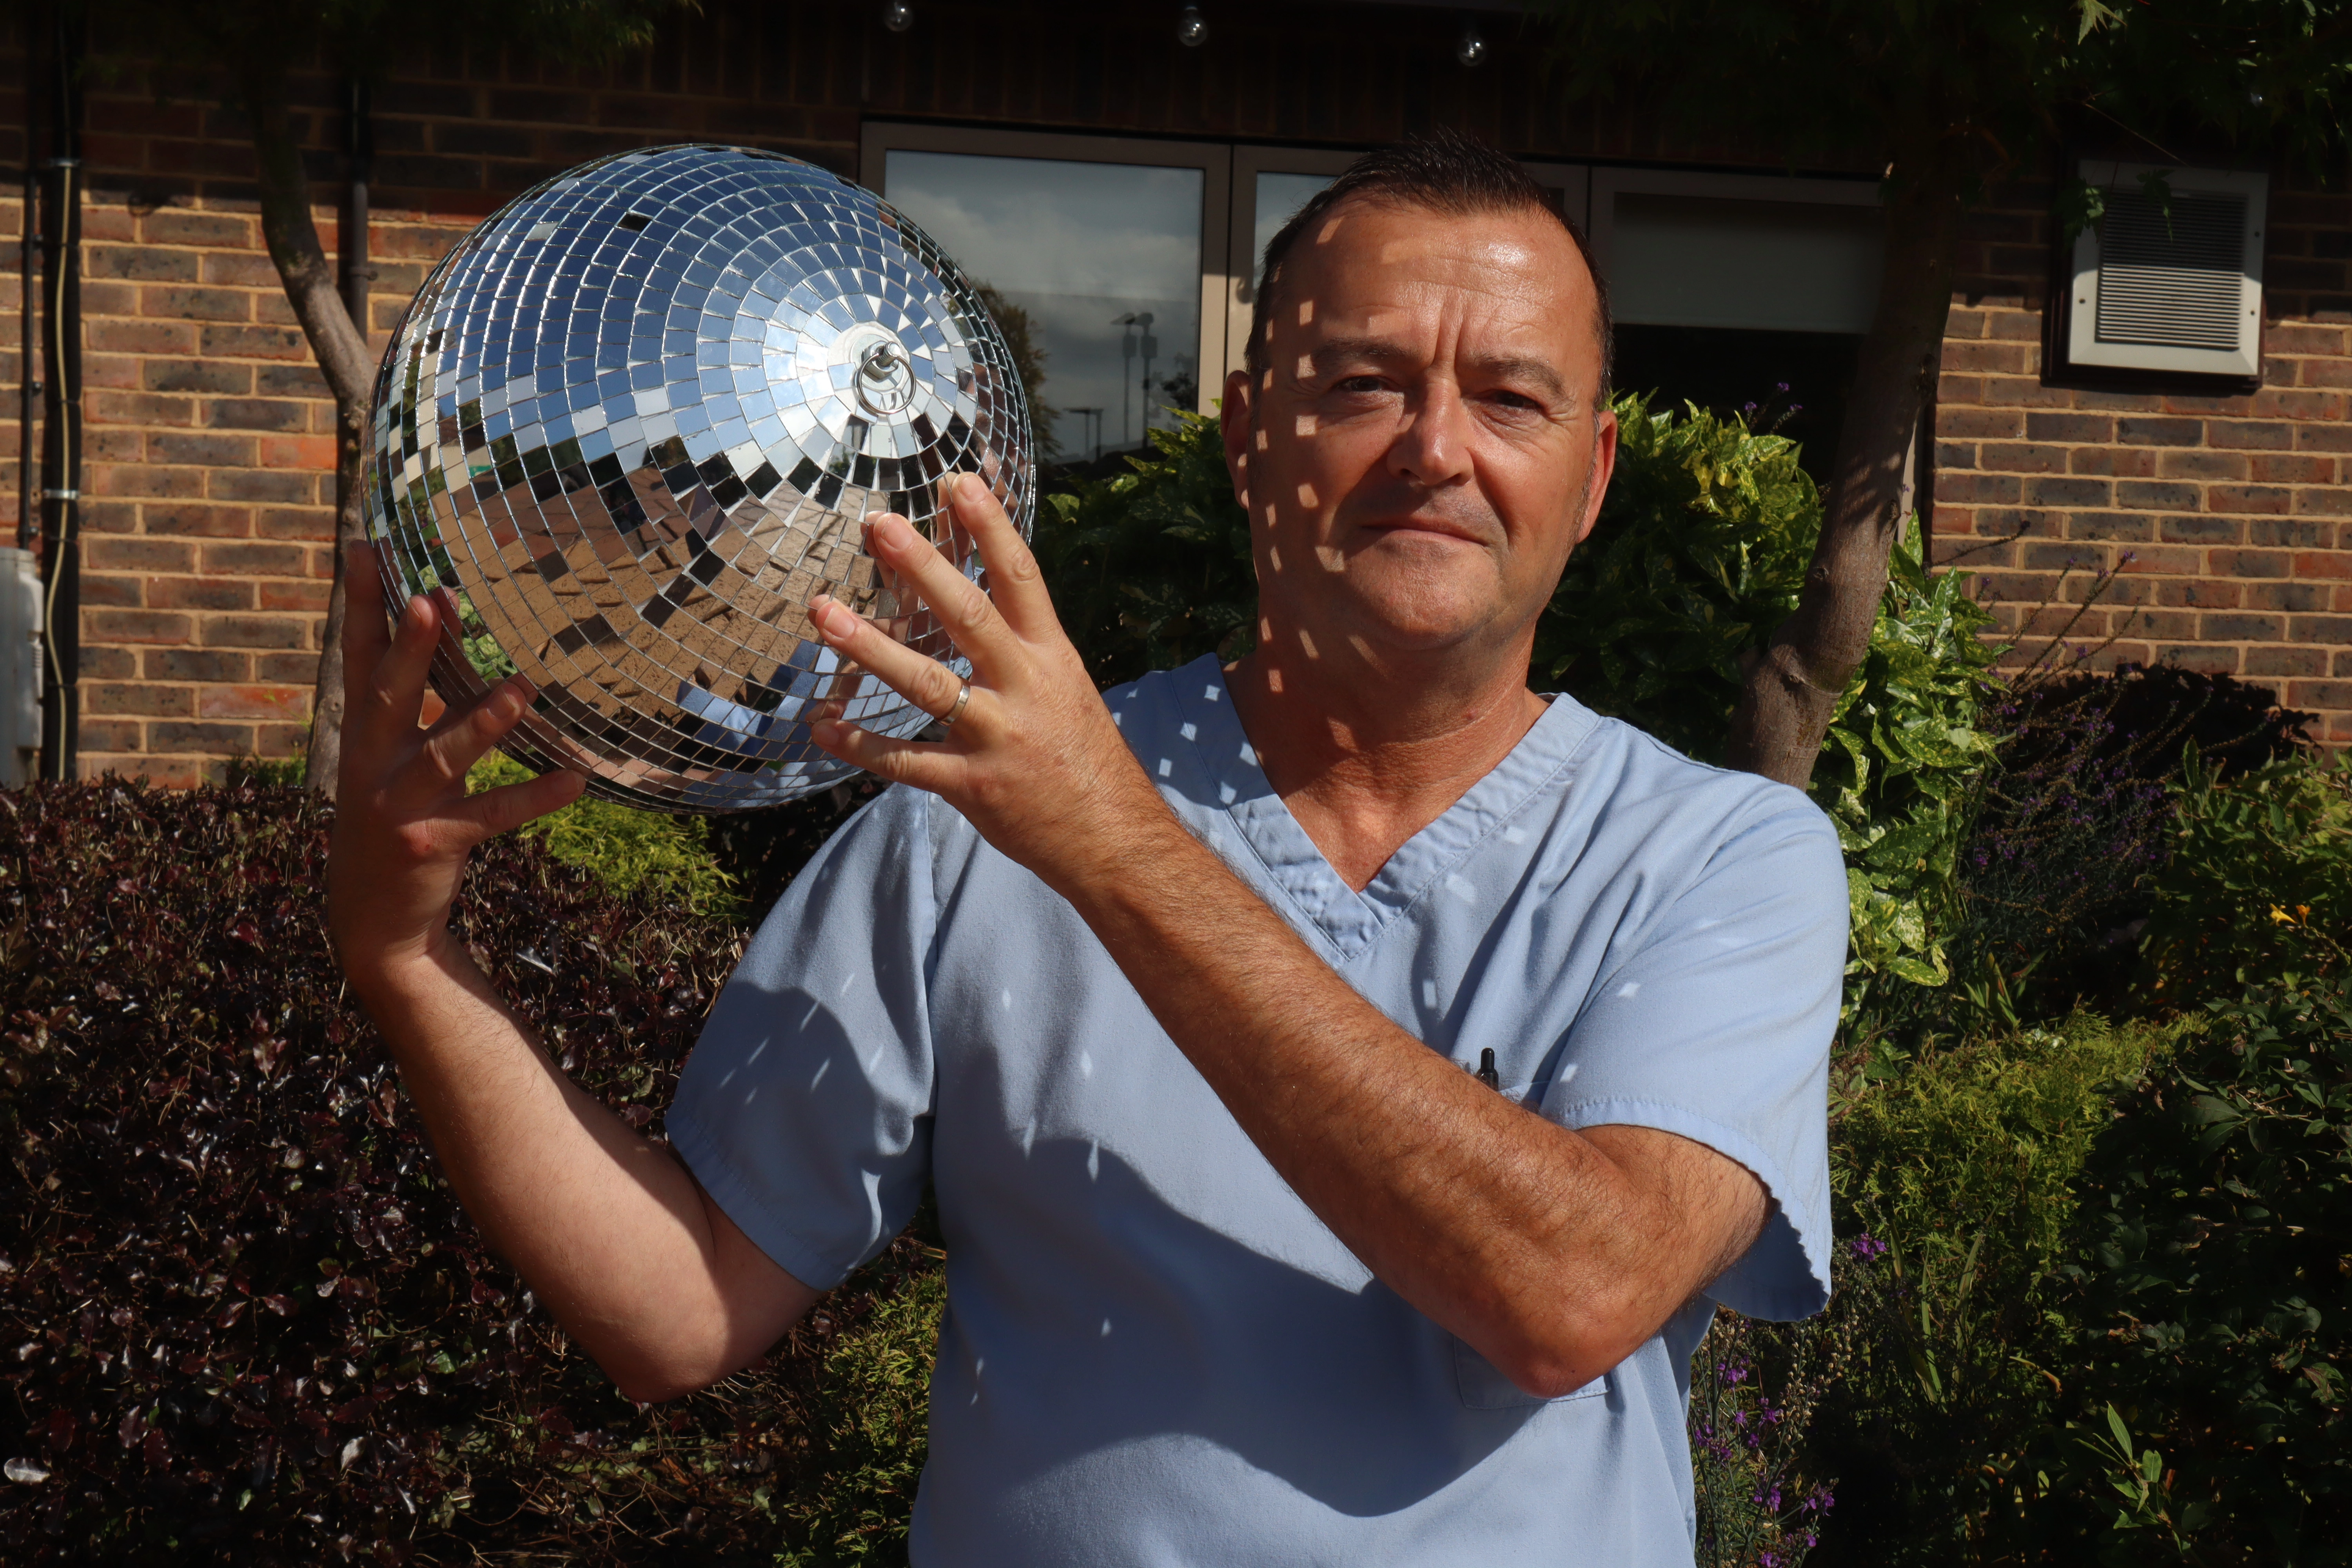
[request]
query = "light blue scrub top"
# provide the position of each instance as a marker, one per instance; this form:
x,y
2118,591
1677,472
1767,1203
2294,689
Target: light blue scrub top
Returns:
x,y
1153,1353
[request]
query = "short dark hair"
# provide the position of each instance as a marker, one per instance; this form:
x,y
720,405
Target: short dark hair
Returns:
x,y
1447,173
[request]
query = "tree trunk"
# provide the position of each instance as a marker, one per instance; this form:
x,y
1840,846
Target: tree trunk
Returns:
x,y
1792,691
340,348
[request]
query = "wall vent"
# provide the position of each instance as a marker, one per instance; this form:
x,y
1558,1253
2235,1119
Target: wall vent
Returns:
x,y
2170,283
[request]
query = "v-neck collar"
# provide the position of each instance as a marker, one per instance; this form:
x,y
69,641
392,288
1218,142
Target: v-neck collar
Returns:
x,y
1318,895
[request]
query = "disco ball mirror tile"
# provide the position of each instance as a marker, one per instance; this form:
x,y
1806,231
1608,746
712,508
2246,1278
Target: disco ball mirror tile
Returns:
x,y
632,424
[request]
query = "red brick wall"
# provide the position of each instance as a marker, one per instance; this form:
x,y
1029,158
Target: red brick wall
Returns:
x,y
2225,522
210,478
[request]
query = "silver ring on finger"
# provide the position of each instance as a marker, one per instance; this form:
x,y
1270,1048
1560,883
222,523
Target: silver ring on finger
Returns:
x,y
964,700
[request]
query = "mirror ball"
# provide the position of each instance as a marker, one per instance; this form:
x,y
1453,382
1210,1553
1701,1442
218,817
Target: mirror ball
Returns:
x,y
633,424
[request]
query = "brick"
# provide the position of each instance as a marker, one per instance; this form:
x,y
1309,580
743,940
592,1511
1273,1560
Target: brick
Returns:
x,y
2295,596
141,337
2148,432
2285,660
194,664
290,381
203,449
2305,338
134,627
278,487
2157,494
1980,423
236,740
2201,464
2329,563
168,225
2200,529
254,631
2278,534
137,555
2248,563
2336,500
2069,428
252,342
2331,629
279,702
300,452
2061,556
2319,694
142,701
140,408
2247,435
2067,493
257,560
2248,498
2011,358
2297,468
243,270
2279,403
2016,457
2119,462
1977,489
140,263
2331,372
200,592
110,734
2201,660
276,415
108,663
281,740
2197,593
195,375
187,302
123,593
308,596
307,523
1954,456
287,668
2122,527
2119,402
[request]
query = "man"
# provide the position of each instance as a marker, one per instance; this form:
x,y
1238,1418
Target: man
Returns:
x,y
1176,997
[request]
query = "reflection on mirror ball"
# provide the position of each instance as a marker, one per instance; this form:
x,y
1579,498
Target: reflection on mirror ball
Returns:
x,y
632,424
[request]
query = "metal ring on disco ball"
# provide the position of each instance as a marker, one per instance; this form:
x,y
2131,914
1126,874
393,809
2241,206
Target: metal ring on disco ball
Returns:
x,y
633,422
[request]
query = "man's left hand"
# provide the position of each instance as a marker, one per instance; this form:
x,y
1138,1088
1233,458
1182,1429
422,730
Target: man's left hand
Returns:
x,y
1033,761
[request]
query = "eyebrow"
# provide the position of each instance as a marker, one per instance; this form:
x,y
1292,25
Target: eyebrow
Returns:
x,y
1381,350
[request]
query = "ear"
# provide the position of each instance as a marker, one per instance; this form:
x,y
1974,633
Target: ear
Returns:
x,y
1233,423
1604,464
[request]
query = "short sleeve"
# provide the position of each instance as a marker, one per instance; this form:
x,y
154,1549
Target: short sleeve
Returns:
x,y
1716,1026
805,1109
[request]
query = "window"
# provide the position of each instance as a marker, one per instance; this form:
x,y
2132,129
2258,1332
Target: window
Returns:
x,y
1110,250
1741,292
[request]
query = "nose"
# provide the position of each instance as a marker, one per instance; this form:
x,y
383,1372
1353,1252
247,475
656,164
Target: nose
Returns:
x,y
1431,448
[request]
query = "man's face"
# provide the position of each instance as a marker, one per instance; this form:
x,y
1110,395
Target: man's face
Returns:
x,y
1424,450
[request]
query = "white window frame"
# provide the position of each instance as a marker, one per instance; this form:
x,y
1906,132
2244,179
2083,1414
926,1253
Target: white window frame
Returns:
x,y
880,138
2084,350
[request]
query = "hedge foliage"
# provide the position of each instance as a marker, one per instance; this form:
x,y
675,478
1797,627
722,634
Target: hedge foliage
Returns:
x,y
244,1319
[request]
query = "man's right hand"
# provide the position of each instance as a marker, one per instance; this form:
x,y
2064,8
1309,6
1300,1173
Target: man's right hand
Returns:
x,y
404,823
643,1270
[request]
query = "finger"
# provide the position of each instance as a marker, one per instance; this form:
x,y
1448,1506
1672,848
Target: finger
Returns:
x,y
508,808
955,599
394,693
1016,582
451,749
918,678
931,767
366,631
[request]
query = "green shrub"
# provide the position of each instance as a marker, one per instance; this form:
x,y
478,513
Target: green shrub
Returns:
x,y
630,851
2259,882
1698,555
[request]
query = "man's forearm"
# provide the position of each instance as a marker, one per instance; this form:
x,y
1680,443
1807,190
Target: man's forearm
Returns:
x,y
606,1227
1524,1237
